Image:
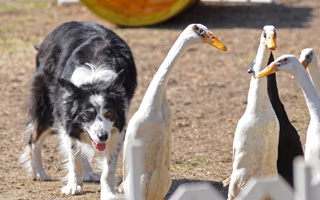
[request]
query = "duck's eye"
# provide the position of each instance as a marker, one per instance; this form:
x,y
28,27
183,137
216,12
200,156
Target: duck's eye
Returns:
x,y
264,35
278,64
195,28
199,31
275,35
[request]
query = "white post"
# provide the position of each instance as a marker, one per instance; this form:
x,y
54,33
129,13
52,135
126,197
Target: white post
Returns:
x,y
274,187
135,160
302,180
315,191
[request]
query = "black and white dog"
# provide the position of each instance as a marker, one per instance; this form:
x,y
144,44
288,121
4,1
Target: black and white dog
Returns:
x,y
82,87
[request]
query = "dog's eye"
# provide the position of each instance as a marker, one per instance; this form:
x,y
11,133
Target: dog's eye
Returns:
x,y
88,114
112,116
108,115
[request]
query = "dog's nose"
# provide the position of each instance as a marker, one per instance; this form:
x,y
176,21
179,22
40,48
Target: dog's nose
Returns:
x,y
103,136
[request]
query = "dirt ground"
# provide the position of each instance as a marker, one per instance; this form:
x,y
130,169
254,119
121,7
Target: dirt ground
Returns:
x,y
207,89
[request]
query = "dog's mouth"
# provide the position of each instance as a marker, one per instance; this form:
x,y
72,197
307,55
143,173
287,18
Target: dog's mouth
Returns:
x,y
99,146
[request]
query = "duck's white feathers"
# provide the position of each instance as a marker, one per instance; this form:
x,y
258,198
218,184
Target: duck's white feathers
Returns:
x,y
312,147
152,125
255,145
291,65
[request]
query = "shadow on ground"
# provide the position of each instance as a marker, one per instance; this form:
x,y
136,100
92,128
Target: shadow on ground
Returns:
x,y
216,185
228,15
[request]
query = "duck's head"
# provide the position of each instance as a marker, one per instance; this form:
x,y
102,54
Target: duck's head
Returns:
x,y
286,63
199,33
268,37
307,56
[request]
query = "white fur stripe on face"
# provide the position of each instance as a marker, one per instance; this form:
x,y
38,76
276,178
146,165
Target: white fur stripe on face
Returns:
x,y
100,124
90,74
97,101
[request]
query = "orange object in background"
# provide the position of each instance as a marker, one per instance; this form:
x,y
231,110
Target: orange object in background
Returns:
x,y
137,12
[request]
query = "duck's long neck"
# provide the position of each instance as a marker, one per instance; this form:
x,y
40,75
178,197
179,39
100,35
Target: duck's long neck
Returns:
x,y
313,69
258,93
310,94
157,87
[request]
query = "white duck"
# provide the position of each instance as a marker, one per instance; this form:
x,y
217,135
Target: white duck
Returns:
x,y
309,60
291,65
255,144
152,123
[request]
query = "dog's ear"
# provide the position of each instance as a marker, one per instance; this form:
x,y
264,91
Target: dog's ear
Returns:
x,y
118,82
68,86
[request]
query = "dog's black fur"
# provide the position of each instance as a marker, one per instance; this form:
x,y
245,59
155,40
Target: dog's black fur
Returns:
x,y
57,103
68,46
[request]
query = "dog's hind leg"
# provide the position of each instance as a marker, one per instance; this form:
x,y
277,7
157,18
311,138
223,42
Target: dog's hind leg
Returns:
x,y
40,122
88,174
32,158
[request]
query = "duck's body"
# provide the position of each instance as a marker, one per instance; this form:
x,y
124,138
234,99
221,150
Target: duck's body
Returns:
x,y
156,178
291,64
255,145
289,140
152,123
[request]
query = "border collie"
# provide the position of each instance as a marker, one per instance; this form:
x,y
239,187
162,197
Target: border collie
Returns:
x,y
85,78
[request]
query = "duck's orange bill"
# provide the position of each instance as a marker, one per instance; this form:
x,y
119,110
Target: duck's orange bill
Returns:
x,y
214,41
305,65
271,42
268,70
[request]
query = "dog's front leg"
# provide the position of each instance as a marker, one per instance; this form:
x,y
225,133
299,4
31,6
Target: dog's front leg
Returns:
x,y
74,185
111,154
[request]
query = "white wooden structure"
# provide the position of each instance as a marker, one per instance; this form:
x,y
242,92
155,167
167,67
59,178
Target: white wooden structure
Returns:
x,y
256,189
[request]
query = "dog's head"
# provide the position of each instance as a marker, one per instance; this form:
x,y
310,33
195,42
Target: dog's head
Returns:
x,y
93,109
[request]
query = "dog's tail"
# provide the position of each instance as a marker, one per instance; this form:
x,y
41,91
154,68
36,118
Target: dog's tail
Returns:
x,y
226,182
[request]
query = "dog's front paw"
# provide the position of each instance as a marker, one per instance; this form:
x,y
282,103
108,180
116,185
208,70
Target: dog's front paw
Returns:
x,y
92,177
72,189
